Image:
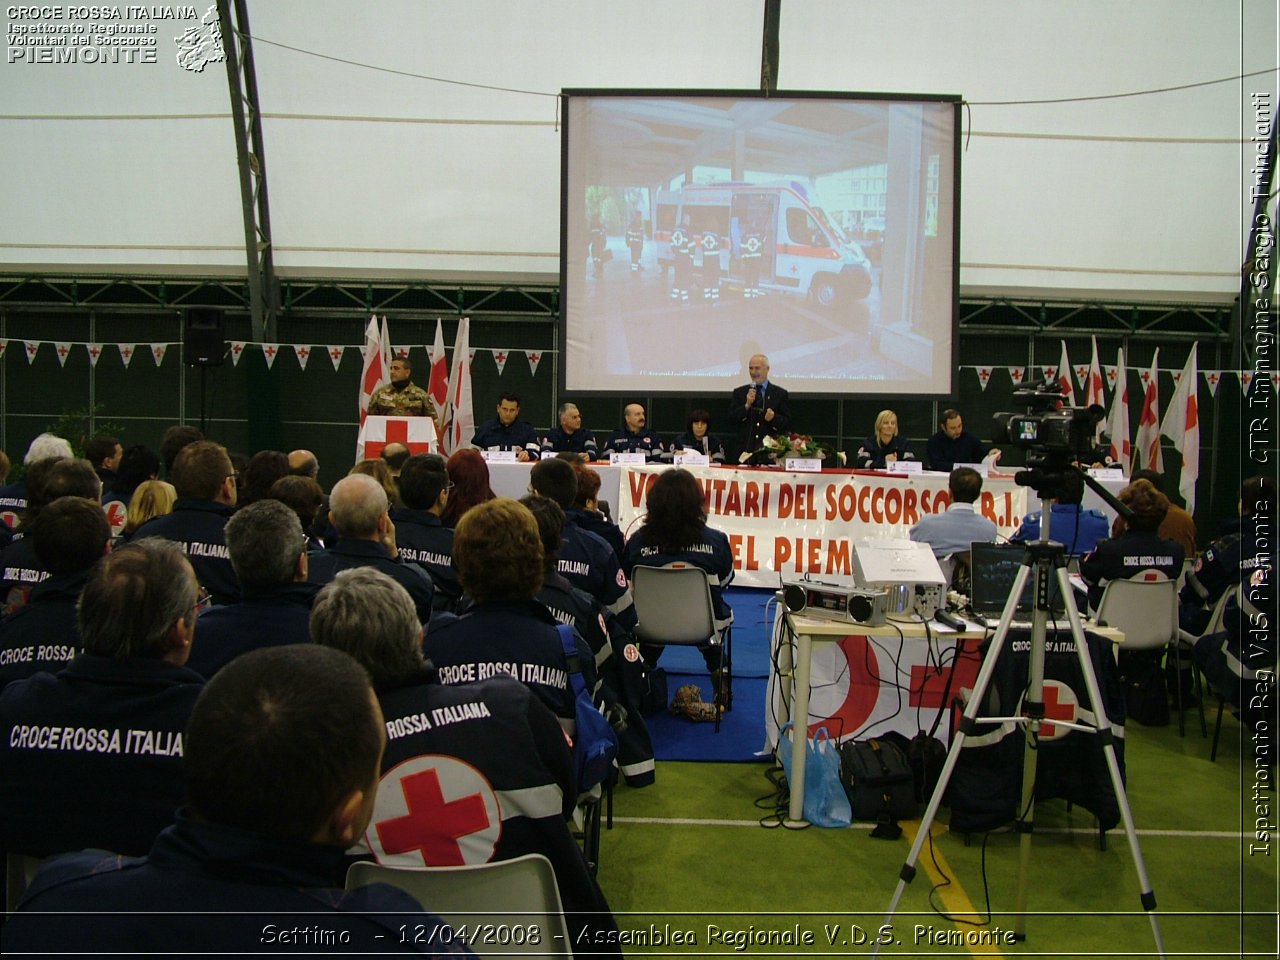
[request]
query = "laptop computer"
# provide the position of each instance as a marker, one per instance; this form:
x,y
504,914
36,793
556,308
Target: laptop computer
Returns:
x,y
993,569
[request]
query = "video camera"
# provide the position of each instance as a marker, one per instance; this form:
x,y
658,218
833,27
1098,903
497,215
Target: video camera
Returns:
x,y
1049,427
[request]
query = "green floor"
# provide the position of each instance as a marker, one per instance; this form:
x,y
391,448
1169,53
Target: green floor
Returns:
x,y
687,858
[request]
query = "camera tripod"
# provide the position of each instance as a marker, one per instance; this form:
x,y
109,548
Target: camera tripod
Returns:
x,y
1048,560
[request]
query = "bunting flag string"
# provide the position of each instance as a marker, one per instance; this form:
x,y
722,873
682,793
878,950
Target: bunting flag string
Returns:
x,y
126,353
984,376
1016,374
303,353
158,350
95,352
500,359
32,347
335,354
62,349
1211,377
534,357
237,348
269,351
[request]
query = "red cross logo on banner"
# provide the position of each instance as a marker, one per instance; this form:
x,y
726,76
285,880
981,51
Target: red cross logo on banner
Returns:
x,y
63,350
126,352
436,811
1059,704
1146,377
397,431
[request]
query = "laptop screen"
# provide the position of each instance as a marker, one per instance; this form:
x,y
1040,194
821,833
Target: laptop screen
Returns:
x,y
994,566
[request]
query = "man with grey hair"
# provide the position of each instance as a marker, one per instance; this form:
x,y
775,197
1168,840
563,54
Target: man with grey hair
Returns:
x,y
360,512
492,743
269,553
92,756
759,408
570,436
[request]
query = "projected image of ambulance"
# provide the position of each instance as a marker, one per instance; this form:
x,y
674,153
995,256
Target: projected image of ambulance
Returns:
x,y
795,248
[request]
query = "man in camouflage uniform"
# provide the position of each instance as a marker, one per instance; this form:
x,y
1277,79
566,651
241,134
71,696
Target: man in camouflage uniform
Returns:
x,y
401,397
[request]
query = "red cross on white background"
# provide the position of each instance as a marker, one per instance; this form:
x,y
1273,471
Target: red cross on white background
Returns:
x,y
1057,706
433,825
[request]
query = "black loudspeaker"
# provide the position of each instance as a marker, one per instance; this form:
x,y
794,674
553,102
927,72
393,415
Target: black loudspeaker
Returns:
x,y
203,345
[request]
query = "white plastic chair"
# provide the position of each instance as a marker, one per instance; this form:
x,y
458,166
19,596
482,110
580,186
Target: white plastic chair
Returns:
x,y
1146,611
519,894
674,608
1189,640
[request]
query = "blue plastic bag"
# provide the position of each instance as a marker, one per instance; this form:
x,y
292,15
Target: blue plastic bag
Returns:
x,y
825,802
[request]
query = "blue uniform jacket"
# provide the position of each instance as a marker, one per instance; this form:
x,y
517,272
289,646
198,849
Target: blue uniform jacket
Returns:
x,y
494,435
343,554
92,756
596,523
20,572
589,563
264,618
943,453
424,541
871,454
646,442
712,447
210,888
580,441
1077,529
713,555
43,635
199,526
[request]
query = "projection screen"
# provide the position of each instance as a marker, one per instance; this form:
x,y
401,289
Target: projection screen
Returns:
x,y
699,229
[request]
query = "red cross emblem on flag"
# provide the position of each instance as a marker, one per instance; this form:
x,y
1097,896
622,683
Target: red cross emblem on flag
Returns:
x,y
126,352
269,350
436,811
416,433
1059,704
1146,377
63,350
535,357
94,350
335,354
304,352
500,357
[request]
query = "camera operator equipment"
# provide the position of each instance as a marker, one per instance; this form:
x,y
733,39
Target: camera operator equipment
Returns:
x,y
1055,436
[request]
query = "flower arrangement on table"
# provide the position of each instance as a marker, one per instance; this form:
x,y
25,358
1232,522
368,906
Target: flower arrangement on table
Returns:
x,y
801,446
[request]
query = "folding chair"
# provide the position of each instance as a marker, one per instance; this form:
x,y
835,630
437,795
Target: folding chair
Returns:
x,y
1188,641
517,893
674,608
1146,610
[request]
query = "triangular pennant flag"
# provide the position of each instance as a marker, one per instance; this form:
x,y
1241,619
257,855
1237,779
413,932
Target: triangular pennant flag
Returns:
x,y
303,353
1147,442
237,348
3,345
471,357
1081,370
126,353
1246,378
62,350
1049,373
984,376
438,383
158,351
335,354
400,353
534,357
1016,374
1182,426
1211,377
1111,373
500,358
95,353
33,346
1275,381
269,351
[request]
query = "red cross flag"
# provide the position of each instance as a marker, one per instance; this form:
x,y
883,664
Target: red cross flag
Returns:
x,y
534,358
126,353
1118,419
377,370
303,353
438,384
1182,425
416,433
1211,377
269,351
3,345
1016,374
33,347
62,350
500,358
1246,378
459,417
1148,438
95,351
984,376
435,811
237,348
335,354
158,351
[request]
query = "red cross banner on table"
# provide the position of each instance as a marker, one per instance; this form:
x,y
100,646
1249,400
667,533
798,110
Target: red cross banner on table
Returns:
x,y
417,433
435,811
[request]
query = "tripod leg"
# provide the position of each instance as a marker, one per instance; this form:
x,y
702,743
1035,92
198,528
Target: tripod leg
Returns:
x,y
908,871
1109,751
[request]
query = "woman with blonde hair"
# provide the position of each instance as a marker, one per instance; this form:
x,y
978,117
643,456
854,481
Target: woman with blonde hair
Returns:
x,y
151,498
884,446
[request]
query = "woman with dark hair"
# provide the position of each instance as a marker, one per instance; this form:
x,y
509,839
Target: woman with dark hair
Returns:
x,y
304,496
1139,549
470,476
137,465
675,531
586,512
698,437
264,468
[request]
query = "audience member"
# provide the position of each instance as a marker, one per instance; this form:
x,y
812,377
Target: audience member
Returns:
x,y
269,554
359,510
264,469
759,408
953,531
150,499
394,455
10,505
507,431
48,446
20,567
470,476
303,463
420,536
1229,561
585,512
632,437
498,553
570,436
305,498
586,560
205,483
281,772
104,453
1139,550
1177,525
675,531
92,756
1070,524
175,438
13,496
884,446
698,438
508,748
954,444
69,536
378,469
138,464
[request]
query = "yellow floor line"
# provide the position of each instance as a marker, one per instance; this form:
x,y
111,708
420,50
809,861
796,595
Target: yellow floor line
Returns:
x,y
952,895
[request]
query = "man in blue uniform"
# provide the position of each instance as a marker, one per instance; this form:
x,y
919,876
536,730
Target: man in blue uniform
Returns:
x,y
507,431
92,756
492,745
206,485
570,436
1070,524
69,536
269,553
360,513
499,557
421,538
258,856
633,437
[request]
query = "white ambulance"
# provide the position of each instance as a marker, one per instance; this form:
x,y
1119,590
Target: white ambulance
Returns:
x,y
802,253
